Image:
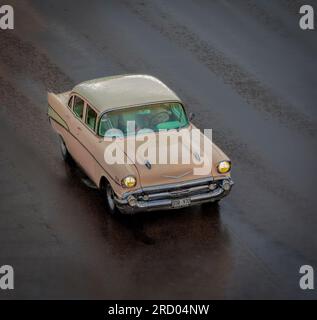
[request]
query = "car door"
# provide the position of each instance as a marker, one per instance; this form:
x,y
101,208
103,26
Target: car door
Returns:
x,y
70,137
89,140
76,146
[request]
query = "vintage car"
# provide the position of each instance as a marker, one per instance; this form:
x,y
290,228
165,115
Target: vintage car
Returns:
x,y
83,117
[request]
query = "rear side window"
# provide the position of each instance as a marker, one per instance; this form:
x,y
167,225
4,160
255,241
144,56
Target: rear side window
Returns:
x,y
91,118
78,107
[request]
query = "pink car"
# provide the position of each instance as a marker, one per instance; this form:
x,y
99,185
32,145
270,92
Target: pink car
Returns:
x,y
94,118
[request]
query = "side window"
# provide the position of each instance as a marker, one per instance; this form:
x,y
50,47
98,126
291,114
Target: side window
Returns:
x,y
104,125
70,102
91,117
78,107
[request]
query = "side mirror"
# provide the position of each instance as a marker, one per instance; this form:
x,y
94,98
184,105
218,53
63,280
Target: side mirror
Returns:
x,y
191,116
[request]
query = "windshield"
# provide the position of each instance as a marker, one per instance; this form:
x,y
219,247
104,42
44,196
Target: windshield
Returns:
x,y
162,116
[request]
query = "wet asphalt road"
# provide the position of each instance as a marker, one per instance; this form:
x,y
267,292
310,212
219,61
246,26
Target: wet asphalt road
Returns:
x,y
246,70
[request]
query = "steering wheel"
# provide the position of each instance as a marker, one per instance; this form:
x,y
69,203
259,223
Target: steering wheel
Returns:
x,y
160,117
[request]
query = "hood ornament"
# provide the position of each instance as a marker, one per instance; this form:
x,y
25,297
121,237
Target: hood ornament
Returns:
x,y
148,164
178,177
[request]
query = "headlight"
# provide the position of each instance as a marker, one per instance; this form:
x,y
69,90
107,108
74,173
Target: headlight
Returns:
x,y
128,182
224,166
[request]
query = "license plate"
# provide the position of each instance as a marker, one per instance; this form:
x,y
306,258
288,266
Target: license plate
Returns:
x,y
179,203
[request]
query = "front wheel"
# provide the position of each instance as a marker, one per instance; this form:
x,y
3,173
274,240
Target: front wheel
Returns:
x,y
108,194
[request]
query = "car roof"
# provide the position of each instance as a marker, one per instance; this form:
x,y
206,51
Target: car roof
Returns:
x,y
123,91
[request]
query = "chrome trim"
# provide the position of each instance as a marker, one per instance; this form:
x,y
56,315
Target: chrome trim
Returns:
x,y
177,177
166,204
163,200
177,193
165,187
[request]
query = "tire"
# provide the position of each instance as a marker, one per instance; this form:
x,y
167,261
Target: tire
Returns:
x,y
65,154
108,196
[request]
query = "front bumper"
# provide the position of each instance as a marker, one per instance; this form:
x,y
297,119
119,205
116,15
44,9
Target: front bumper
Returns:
x,y
163,197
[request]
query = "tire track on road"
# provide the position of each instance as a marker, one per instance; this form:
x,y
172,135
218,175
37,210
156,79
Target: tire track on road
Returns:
x,y
253,163
255,93
22,60
21,56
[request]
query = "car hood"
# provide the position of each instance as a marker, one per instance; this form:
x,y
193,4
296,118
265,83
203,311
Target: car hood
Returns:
x,y
201,162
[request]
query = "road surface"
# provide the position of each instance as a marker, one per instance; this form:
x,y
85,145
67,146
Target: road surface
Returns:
x,y
248,72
